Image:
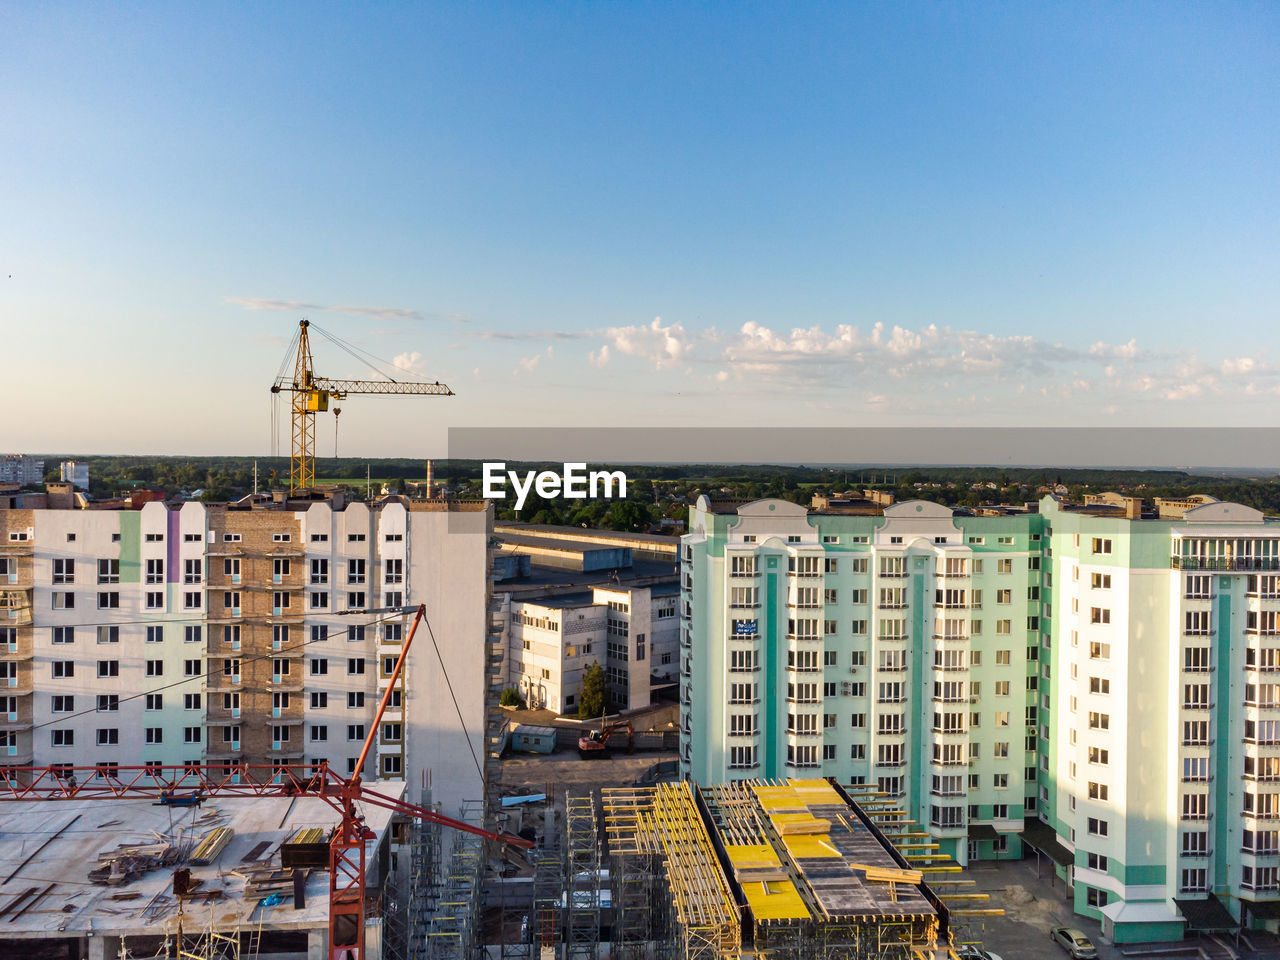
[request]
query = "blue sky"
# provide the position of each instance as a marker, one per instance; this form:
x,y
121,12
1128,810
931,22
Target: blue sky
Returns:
x,y
589,214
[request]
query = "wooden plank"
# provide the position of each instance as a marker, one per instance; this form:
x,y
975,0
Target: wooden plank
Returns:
x,y
33,901
18,898
19,867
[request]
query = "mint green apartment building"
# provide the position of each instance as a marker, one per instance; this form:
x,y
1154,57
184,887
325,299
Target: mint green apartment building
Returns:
x,y
1080,684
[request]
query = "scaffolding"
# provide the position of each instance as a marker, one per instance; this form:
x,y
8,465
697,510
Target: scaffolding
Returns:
x,y
640,894
456,908
582,878
664,823
547,887
424,863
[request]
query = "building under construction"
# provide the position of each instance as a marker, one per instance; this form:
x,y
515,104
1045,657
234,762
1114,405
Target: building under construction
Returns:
x,y
786,870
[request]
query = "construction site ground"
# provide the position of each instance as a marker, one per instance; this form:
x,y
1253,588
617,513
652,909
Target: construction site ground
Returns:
x,y
1032,907
554,773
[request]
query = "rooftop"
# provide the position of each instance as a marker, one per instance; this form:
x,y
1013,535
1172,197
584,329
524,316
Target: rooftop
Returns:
x,y
50,846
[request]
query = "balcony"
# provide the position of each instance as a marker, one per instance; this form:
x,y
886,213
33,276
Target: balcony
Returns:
x,y
1256,814
743,574
1225,564
891,605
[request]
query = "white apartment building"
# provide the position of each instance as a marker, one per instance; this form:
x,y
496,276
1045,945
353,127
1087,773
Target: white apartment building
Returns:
x,y
218,632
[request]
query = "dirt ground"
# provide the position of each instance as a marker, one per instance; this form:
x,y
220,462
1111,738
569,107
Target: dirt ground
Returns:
x,y
555,773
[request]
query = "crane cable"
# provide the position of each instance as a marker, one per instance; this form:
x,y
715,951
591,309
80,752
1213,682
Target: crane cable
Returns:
x,y
465,732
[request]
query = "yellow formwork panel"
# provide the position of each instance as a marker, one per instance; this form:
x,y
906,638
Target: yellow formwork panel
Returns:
x,y
751,855
775,900
790,824
810,845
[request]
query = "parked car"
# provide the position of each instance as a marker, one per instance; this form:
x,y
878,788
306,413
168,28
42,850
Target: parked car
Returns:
x,y
1074,942
971,952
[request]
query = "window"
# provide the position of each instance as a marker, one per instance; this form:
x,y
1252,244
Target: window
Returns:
x,y
1099,615
154,599
108,571
1099,756
279,667
108,736
355,732
155,668
355,700
1097,827
319,538
1197,623
191,701
192,634
1194,880
108,702
192,668
319,733
355,538
62,738
63,704
355,571
319,700
355,666
155,572
355,600
154,735
1100,685
190,734
64,600
1101,546
64,634
155,701
64,570
108,668
1097,791
231,599
319,666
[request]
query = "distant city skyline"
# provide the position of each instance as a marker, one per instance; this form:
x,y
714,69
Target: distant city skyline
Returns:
x,y
712,215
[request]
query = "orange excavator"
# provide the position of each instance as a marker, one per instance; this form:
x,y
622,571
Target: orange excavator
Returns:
x,y
595,745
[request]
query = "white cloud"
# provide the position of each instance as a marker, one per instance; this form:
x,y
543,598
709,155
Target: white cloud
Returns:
x,y
1123,351
1238,366
528,364
662,346
406,361
599,358
523,335
351,310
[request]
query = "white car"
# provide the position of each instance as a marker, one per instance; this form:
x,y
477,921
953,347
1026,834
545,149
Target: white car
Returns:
x,y
1074,942
971,952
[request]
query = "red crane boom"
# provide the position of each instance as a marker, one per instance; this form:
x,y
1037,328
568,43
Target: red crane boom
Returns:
x,y
181,785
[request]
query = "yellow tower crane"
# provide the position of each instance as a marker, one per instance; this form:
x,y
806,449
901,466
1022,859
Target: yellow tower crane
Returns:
x,y
311,395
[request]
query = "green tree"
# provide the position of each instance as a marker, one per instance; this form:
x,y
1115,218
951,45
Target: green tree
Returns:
x,y
510,698
591,693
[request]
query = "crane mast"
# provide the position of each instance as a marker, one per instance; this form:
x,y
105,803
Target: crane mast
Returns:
x,y
311,395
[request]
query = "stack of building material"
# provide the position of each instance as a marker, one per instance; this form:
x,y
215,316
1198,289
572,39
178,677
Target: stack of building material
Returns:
x,y
211,845
128,862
